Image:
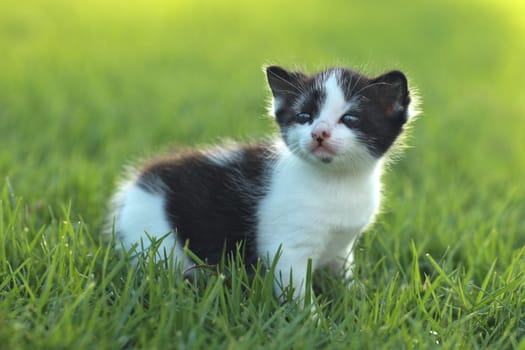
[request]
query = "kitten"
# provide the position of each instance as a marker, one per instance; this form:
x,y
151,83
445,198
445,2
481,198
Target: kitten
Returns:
x,y
307,194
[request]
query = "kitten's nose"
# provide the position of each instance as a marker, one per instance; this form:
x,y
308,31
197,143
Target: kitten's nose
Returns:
x,y
321,132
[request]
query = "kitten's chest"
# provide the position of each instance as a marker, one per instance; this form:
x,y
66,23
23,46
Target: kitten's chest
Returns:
x,y
304,201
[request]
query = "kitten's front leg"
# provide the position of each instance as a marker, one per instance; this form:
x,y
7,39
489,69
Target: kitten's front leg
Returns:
x,y
286,249
343,264
290,272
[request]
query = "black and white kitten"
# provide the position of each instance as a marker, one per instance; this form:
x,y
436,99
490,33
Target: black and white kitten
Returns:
x,y
308,194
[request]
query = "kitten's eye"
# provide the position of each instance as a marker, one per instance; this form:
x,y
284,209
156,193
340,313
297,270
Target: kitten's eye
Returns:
x,y
303,118
349,120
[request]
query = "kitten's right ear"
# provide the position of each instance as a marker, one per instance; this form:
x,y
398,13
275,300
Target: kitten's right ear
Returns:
x,y
284,83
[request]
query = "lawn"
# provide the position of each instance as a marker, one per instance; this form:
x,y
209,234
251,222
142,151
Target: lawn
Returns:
x,y
88,87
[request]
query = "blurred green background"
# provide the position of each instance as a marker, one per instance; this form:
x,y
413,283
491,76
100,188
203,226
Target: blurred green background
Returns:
x,y
88,86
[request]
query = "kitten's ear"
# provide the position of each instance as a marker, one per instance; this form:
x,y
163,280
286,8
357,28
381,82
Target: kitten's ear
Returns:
x,y
284,83
392,93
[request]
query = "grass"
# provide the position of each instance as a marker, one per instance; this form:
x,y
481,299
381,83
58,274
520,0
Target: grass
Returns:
x,y
88,87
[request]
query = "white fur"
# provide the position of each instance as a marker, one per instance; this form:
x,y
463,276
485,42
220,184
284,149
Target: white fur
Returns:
x,y
139,216
225,155
335,103
313,213
277,103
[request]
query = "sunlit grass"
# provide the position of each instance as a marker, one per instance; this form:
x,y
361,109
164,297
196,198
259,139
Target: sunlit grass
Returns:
x,y
87,87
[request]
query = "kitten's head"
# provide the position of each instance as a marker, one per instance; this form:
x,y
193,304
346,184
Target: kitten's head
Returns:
x,y
338,116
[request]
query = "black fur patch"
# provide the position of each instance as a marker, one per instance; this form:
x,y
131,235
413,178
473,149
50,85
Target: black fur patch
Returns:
x,y
212,205
383,110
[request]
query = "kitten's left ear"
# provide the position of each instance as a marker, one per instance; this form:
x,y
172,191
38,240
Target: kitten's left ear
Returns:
x,y
392,93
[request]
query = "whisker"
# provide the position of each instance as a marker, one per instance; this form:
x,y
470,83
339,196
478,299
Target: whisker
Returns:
x,y
352,90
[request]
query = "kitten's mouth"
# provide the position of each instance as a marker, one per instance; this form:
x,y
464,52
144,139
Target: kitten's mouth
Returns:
x,y
324,152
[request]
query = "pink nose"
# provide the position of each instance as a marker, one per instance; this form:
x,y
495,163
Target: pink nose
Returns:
x,y
321,132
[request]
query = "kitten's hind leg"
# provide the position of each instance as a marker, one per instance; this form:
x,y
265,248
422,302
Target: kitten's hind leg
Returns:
x,y
140,219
